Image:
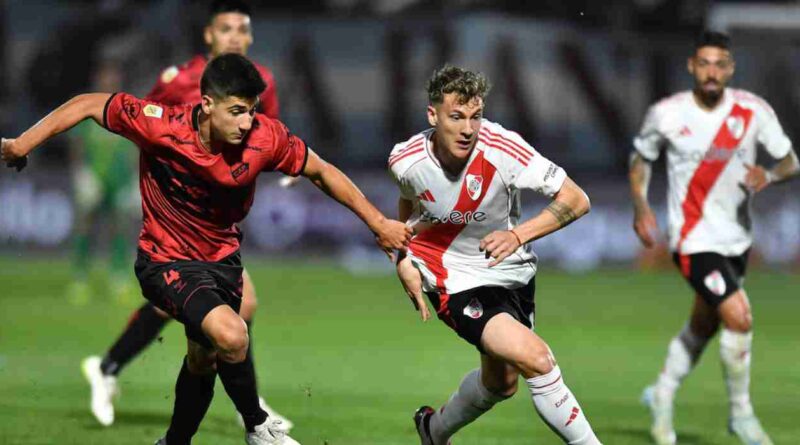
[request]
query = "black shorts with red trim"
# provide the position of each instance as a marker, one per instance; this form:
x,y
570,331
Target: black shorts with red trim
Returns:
x,y
189,290
468,312
713,276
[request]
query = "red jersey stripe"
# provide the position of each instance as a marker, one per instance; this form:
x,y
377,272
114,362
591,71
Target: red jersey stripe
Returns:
x,y
405,155
504,142
516,144
431,245
411,145
709,170
506,151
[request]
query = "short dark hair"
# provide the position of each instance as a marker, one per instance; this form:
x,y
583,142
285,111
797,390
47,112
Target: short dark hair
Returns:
x,y
223,6
231,75
716,39
452,79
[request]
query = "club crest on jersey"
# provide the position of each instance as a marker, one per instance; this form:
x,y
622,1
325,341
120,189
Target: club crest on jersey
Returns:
x,y
474,309
735,126
474,186
715,283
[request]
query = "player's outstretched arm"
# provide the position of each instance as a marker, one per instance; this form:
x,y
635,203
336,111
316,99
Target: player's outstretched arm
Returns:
x,y
389,234
58,121
644,220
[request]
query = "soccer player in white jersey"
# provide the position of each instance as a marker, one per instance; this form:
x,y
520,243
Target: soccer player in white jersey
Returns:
x,y
460,185
710,135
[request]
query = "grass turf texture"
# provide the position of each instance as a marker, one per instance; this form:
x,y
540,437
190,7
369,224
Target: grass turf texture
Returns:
x,y
347,359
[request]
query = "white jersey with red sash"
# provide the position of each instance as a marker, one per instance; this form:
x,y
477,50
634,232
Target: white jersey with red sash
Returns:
x,y
709,207
453,213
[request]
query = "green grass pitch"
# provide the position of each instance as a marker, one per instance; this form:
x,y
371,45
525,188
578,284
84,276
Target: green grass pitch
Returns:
x,y
347,359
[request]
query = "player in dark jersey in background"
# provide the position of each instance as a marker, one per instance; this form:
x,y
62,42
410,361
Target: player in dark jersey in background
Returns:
x,y
228,31
199,165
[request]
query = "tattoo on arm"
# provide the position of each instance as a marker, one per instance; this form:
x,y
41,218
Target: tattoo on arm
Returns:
x,y
563,213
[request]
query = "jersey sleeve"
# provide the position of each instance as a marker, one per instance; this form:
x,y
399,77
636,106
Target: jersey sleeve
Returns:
x,y
397,171
650,140
288,153
140,121
770,133
540,175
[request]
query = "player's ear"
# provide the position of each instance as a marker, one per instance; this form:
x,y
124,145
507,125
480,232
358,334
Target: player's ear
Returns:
x,y
432,118
207,37
207,103
690,65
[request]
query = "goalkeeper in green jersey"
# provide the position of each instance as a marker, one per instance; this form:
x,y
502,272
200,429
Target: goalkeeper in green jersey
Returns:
x,y
105,195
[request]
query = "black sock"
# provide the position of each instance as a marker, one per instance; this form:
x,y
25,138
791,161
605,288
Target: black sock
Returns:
x,y
249,324
143,327
239,380
193,394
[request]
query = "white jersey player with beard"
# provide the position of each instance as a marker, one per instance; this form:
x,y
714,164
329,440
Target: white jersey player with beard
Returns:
x,y
453,214
708,204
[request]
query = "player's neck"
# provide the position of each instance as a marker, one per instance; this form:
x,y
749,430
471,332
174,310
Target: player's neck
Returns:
x,y
204,134
707,102
449,163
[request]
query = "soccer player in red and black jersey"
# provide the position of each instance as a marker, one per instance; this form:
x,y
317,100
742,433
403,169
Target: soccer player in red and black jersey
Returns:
x,y
197,173
228,31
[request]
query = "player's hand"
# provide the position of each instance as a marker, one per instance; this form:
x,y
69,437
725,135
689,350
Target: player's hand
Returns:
x,y
392,235
499,245
756,178
411,279
645,226
8,156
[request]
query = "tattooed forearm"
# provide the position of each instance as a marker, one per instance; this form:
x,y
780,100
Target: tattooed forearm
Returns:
x,y
563,213
639,176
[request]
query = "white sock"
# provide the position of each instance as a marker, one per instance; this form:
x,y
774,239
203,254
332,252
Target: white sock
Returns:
x,y
683,352
465,405
560,410
734,350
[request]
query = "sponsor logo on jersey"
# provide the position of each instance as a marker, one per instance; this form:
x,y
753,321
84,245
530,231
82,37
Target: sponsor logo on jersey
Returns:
x,y
169,74
454,217
474,186
715,283
735,126
685,131
151,110
551,172
240,170
474,309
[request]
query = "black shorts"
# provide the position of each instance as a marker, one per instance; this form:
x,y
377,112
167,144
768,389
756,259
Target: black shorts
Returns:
x,y
713,276
189,290
468,312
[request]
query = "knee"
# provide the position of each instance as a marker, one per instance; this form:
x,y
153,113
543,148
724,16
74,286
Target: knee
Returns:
x,y
232,342
740,322
536,362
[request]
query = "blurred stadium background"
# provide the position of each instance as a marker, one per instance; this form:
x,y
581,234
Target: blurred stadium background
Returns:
x,y
339,348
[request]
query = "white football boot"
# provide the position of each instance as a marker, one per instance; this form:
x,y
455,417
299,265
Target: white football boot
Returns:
x,y
104,389
271,432
287,424
748,429
661,430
